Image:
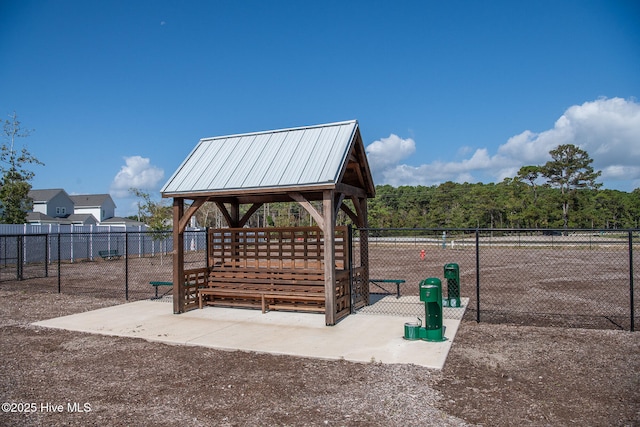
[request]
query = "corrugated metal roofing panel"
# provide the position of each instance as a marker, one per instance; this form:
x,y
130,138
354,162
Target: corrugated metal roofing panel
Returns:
x,y
286,157
231,163
338,155
271,150
245,176
315,160
295,171
197,173
191,171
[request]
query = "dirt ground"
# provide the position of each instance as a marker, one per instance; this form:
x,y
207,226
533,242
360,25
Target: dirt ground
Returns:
x,y
497,375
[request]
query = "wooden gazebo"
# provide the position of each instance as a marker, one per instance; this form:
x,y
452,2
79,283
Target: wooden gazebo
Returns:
x,y
308,164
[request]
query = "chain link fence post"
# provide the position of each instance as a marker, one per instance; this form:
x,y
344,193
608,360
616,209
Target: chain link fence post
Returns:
x,y
477,276
631,301
126,265
59,267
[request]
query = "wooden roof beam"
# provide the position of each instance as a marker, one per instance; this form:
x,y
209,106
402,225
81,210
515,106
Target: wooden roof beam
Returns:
x,y
225,213
248,214
351,191
184,221
339,197
350,214
309,208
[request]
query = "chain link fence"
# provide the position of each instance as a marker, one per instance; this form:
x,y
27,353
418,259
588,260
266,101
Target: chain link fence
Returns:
x,y
24,257
579,278
111,265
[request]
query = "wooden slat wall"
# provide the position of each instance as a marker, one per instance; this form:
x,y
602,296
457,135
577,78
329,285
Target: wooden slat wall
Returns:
x,y
343,297
274,248
193,279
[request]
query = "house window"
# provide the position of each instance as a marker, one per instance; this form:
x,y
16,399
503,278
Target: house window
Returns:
x,y
61,210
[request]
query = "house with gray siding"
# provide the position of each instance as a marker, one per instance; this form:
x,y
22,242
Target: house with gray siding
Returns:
x,y
54,203
101,206
55,206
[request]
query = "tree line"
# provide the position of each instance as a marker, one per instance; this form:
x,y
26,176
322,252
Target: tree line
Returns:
x,y
509,204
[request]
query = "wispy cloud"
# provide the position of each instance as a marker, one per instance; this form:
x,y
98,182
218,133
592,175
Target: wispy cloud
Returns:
x,y
608,129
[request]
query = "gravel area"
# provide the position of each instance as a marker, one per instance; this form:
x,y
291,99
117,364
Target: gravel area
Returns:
x,y
499,375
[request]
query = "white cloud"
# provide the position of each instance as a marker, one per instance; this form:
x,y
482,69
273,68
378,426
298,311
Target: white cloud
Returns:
x,y
608,129
138,172
387,152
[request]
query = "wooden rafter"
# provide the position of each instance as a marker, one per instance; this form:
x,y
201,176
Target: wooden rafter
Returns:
x,y
350,190
184,221
309,208
359,214
338,203
225,213
248,214
349,213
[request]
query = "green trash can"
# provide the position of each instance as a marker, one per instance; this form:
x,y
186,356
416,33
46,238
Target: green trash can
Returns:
x,y
452,274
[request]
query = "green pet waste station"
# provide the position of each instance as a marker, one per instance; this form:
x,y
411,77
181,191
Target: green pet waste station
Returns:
x,y
431,295
452,275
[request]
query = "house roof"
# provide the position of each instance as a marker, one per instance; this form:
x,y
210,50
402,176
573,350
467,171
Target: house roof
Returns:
x,y
39,217
81,219
116,220
43,196
313,157
89,200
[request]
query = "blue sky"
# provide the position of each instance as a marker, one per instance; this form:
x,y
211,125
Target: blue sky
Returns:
x,y
119,92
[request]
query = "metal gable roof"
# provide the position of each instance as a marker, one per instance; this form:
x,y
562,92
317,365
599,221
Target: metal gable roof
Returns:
x,y
273,159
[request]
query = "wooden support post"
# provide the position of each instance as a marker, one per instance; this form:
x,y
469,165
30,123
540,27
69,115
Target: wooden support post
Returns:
x,y
235,214
178,257
328,212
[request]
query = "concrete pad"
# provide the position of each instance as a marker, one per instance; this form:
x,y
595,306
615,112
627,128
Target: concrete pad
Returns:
x,y
357,338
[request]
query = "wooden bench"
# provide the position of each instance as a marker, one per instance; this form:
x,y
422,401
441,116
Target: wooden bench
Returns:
x,y
273,300
231,297
110,254
397,282
269,289
158,284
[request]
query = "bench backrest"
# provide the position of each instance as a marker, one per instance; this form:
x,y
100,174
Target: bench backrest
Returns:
x,y
279,248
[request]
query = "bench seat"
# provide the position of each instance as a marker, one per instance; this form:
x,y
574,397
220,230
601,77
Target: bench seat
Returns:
x,y
269,289
156,284
233,297
110,254
295,297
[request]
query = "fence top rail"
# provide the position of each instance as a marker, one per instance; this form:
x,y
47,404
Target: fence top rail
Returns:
x,y
510,230
168,233
101,233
